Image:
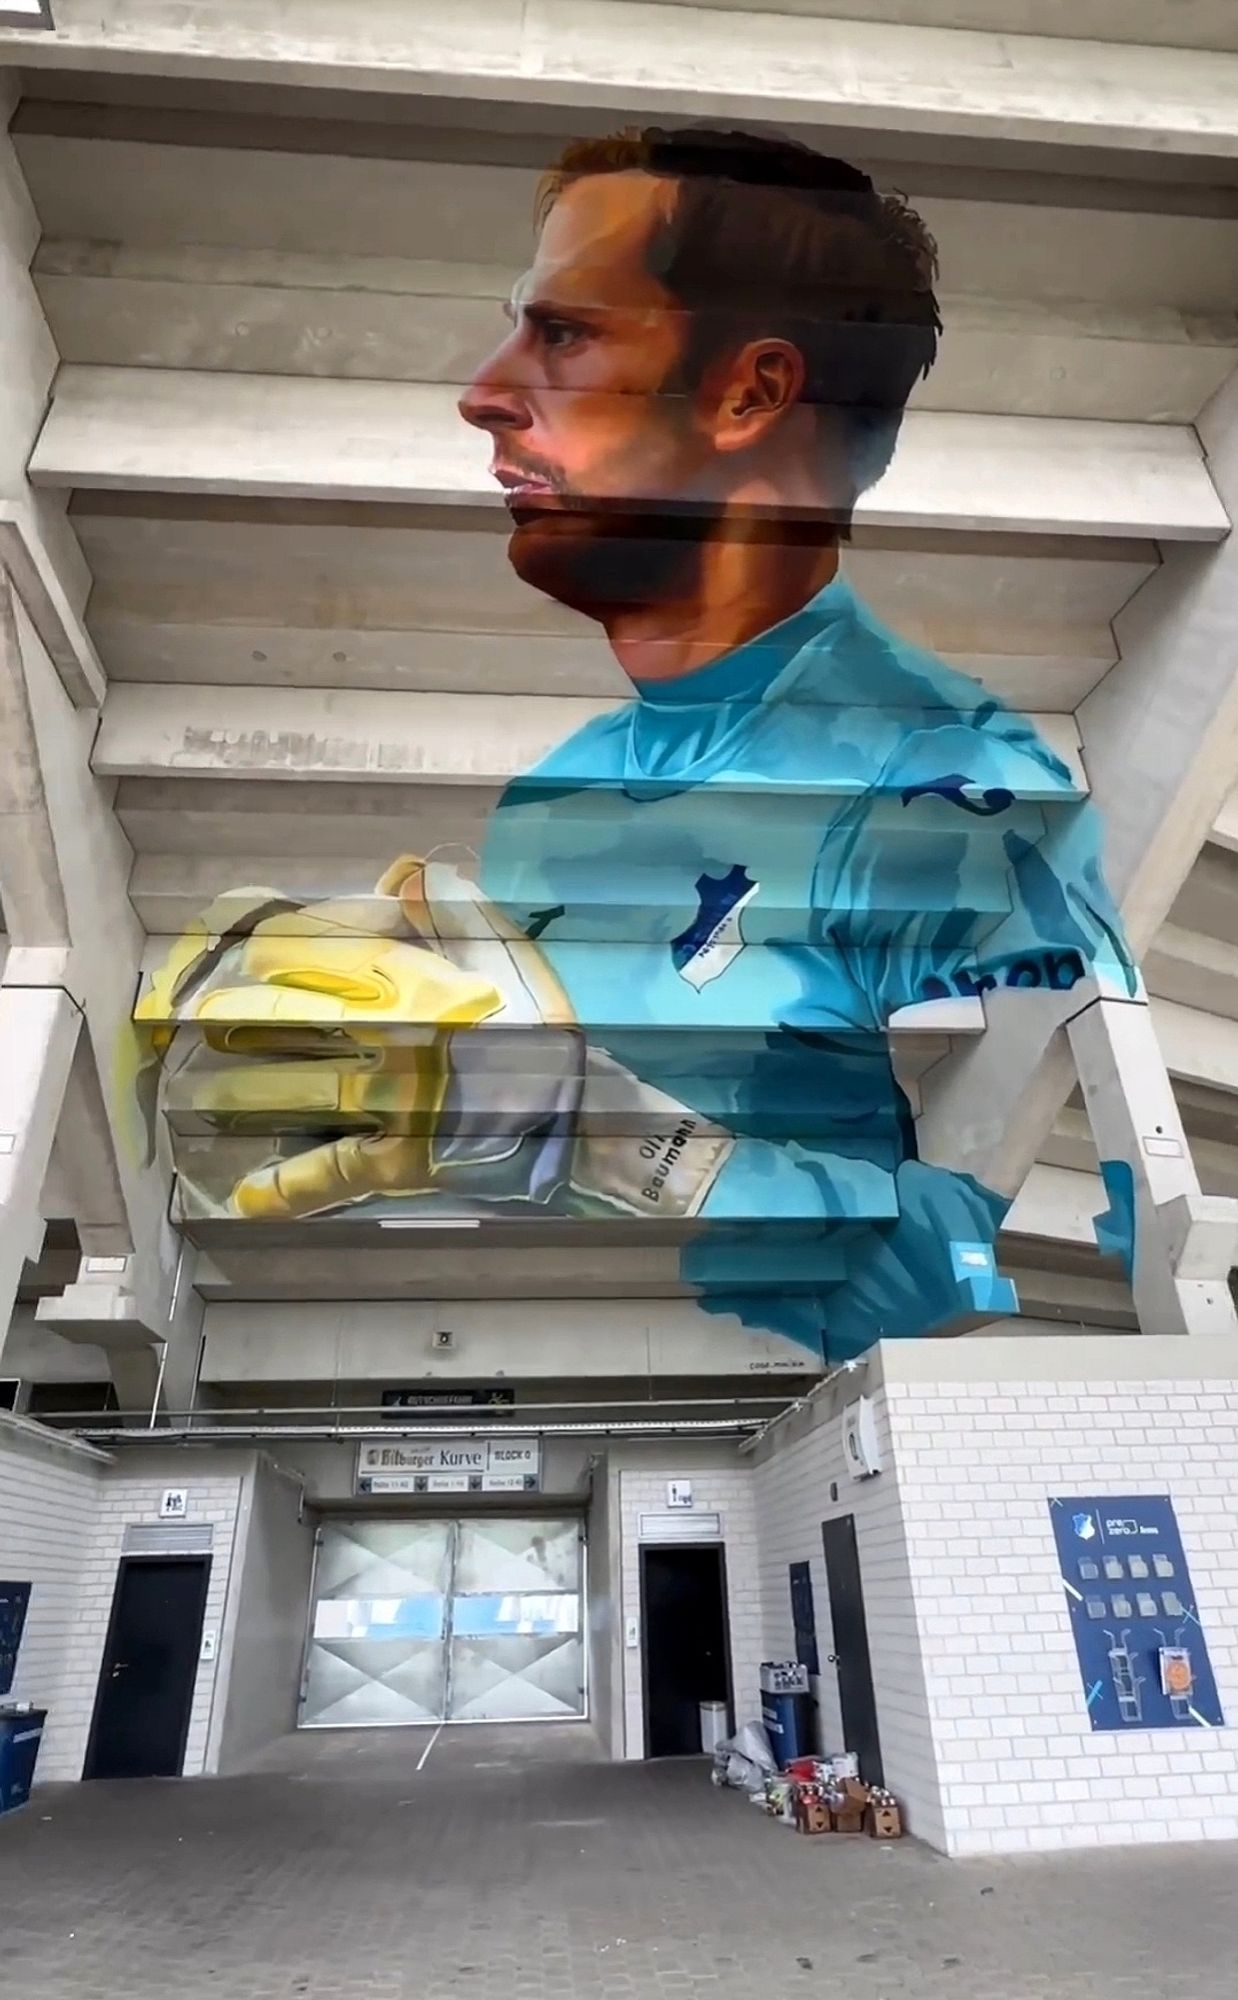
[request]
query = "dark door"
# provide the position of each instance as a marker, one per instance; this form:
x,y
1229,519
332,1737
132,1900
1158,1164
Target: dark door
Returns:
x,y
687,1658
150,1663
850,1655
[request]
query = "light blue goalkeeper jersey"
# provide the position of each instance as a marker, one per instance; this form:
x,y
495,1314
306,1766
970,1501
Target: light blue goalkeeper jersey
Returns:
x,y
741,877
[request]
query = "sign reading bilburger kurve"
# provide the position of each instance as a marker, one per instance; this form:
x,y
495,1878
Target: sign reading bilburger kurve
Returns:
x,y
451,1465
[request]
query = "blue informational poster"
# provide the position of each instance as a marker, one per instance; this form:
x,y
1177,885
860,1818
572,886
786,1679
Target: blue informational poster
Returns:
x,y
1142,1653
804,1617
14,1598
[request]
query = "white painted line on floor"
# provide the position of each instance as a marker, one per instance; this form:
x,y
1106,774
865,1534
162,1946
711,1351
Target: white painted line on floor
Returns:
x,y
429,1746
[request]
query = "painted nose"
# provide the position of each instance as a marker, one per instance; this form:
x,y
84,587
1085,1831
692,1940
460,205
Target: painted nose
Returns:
x,y
495,399
488,406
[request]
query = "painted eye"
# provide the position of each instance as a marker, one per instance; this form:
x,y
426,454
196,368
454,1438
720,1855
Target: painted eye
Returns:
x,y
559,333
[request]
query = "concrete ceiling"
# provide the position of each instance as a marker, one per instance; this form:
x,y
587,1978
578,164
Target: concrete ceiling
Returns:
x,y
962,80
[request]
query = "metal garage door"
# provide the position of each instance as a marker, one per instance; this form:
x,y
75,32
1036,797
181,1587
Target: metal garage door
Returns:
x,y
472,1620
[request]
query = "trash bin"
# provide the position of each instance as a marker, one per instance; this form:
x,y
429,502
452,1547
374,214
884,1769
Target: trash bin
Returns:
x,y
713,1725
786,1709
788,1724
20,1736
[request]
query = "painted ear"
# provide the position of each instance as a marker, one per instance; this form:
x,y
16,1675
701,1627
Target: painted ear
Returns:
x,y
778,377
767,379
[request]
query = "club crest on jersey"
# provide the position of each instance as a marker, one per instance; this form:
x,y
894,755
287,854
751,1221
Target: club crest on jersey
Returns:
x,y
714,938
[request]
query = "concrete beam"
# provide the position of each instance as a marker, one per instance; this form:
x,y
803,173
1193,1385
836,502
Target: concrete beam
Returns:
x,y
342,734
155,429
305,1340
220,196
496,663
853,75
263,313
1197,24
322,564
1204,1114
1057,1205
106,1316
400,1267
170,892
1197,1047
347,829
1064,1300
35,1355
314,1270
1207,902
1193,970
309,594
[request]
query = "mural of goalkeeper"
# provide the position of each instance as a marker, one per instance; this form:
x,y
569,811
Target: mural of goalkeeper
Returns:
x,y
667,993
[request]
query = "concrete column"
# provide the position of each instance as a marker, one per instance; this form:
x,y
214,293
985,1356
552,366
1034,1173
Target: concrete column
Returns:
x,y
124,1305
40,1014
1177,1245
86,1172
1160,732
39,1028
987,1106
1160,741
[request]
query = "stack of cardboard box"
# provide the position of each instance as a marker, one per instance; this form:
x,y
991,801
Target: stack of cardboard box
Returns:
x,y
825,1804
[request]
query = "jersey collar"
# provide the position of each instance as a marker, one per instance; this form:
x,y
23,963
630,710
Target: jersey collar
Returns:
x,y
747,673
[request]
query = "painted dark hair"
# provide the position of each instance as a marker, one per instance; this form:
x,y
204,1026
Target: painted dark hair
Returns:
x,y
769,237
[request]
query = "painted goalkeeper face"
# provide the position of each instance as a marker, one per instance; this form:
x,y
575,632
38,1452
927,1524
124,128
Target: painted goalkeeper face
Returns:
x,y
593,436
715,340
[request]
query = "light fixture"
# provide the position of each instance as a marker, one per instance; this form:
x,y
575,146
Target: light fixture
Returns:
x,y
433,1222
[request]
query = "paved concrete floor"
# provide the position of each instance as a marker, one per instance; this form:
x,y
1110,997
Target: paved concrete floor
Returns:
x,y
515,1865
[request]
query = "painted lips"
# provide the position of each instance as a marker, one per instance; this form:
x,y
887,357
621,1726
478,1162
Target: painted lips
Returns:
x,y
523,485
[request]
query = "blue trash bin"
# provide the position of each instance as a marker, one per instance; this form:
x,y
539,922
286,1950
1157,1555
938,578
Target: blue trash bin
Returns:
x,y
788,1724
20,1737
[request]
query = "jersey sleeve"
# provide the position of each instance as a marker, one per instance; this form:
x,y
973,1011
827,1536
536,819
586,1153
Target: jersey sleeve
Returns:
x,y
974,863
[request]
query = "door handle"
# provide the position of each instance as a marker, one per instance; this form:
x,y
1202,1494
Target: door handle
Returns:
x,y
831,1659
120,1668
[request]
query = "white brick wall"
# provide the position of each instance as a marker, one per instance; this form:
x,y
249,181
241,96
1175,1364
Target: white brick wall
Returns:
x,y
48,1502
62,1522
1019,1765
793,1489
127,1499
725,1490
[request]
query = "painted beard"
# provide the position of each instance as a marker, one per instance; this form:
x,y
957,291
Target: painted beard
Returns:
x,y
601,556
